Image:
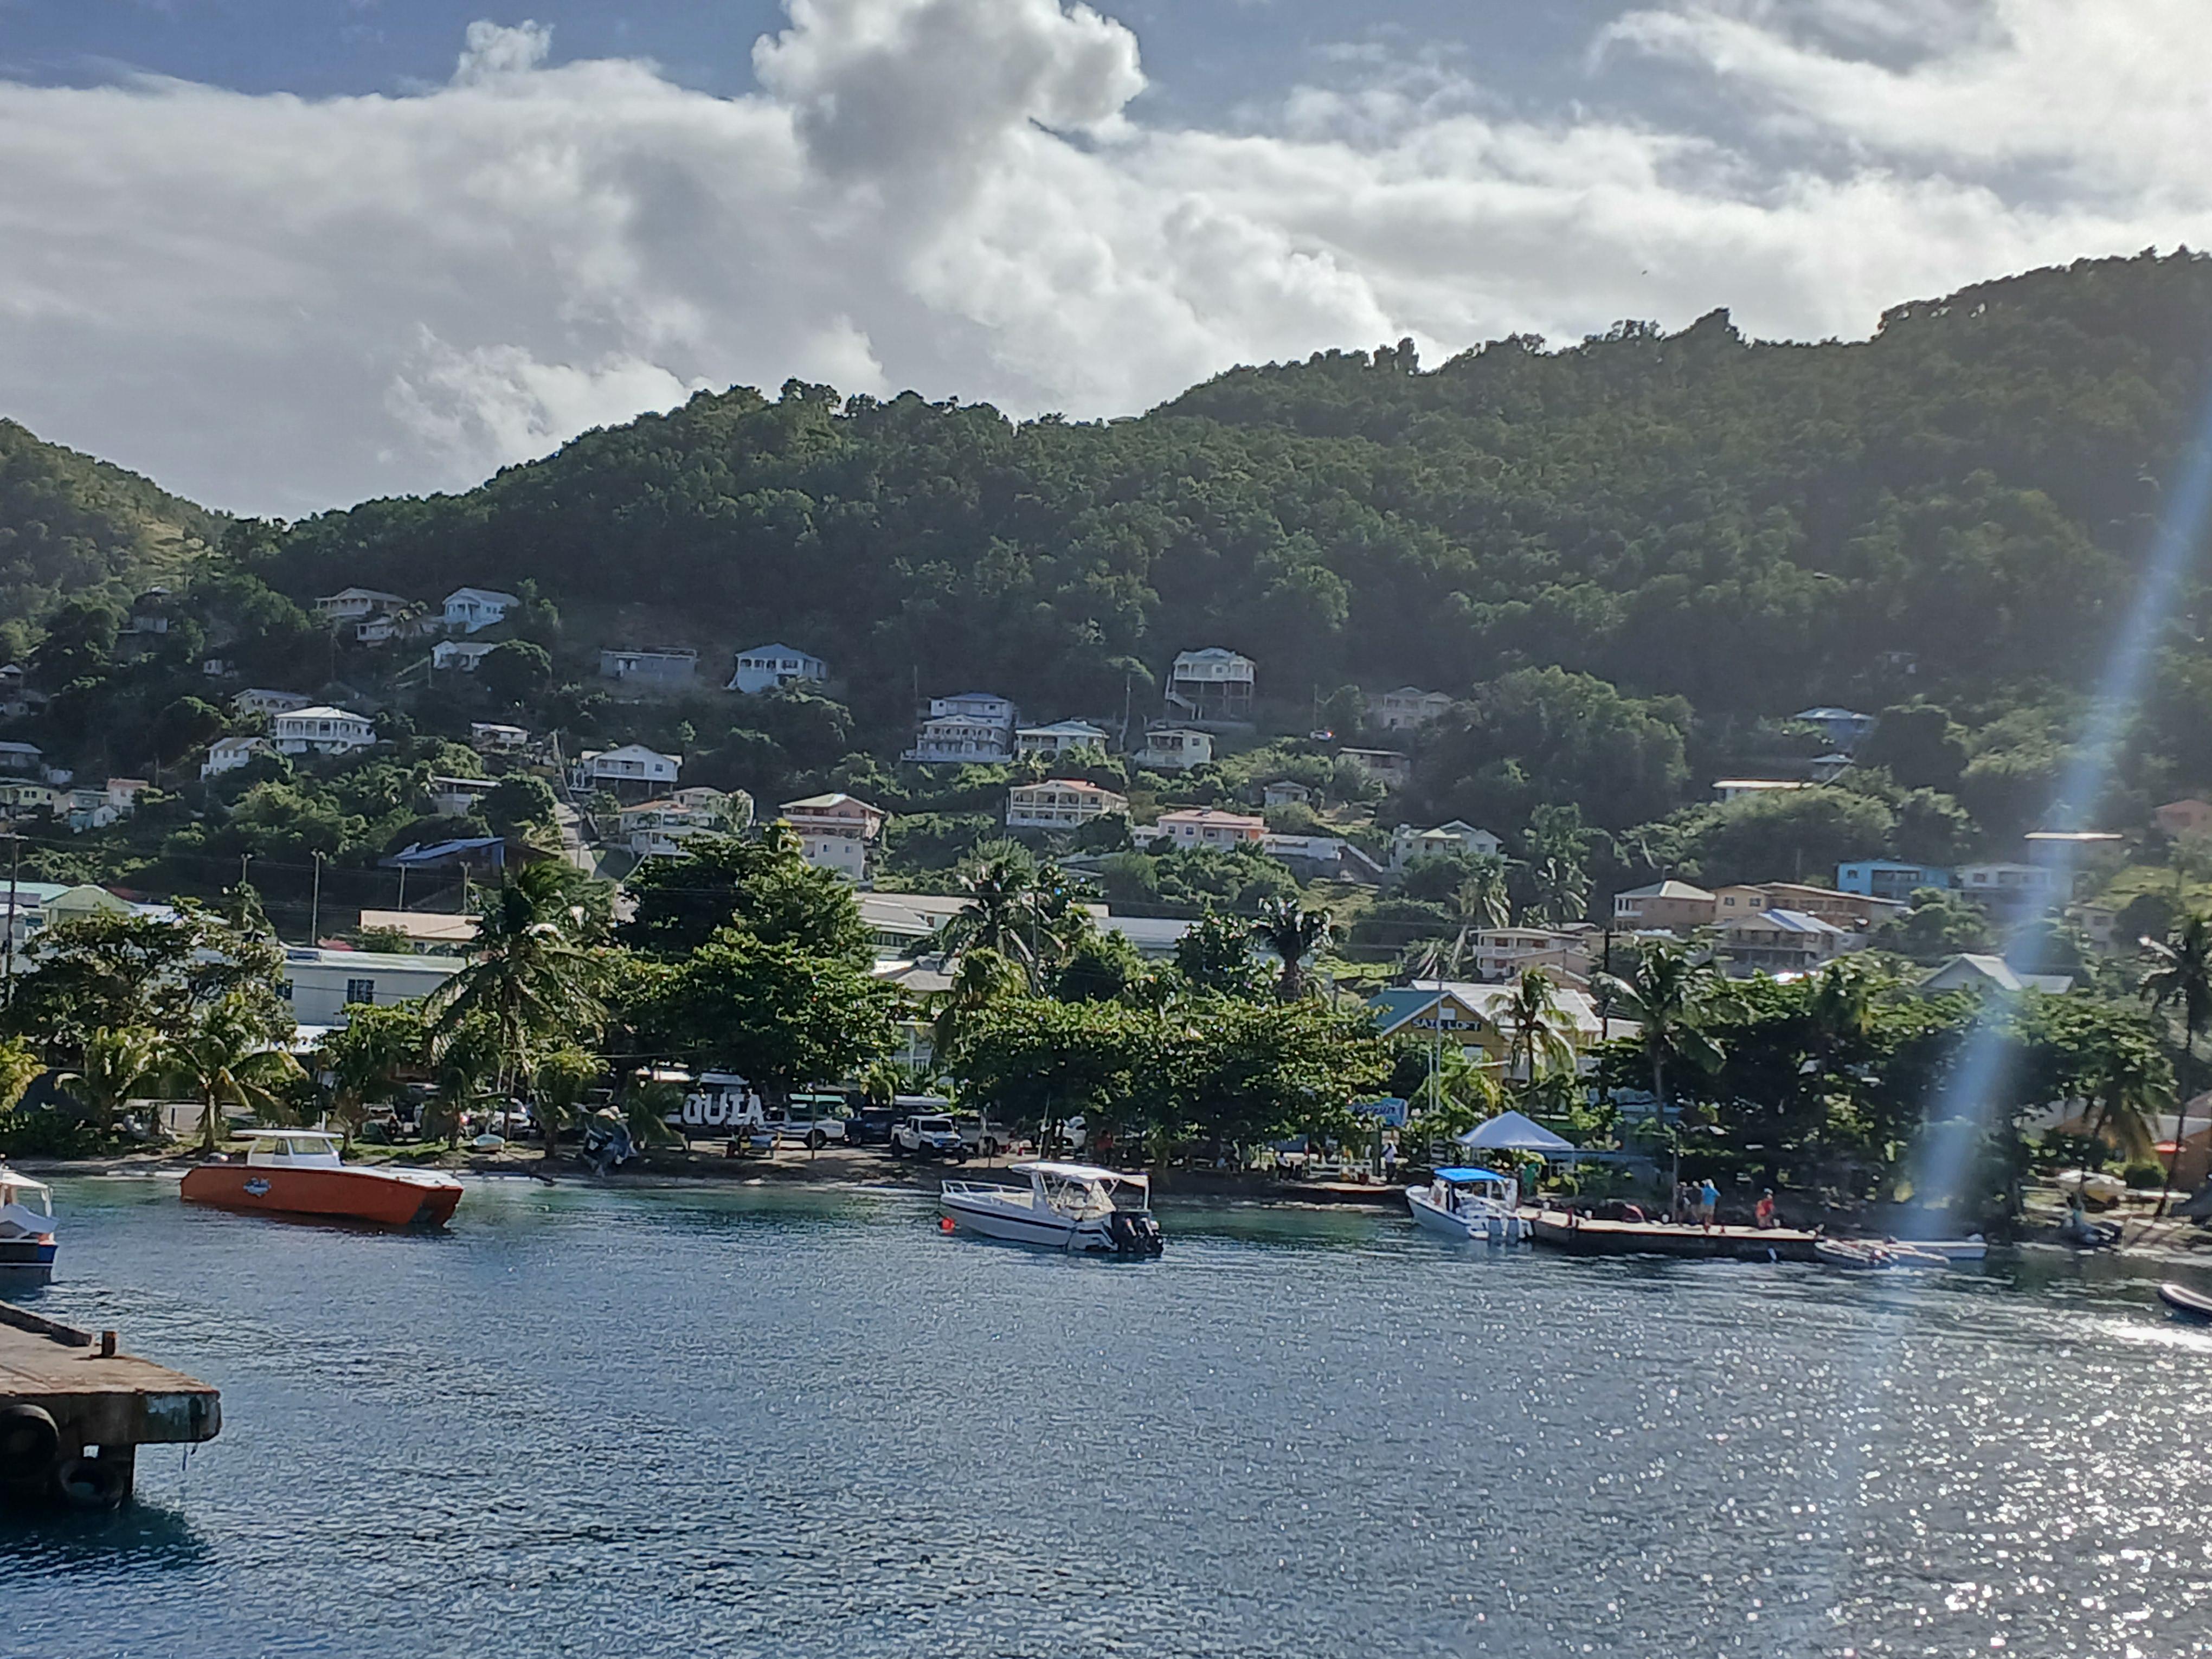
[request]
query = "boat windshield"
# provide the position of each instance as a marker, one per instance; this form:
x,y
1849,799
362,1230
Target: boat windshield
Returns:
x,y
1074,1195
317,1150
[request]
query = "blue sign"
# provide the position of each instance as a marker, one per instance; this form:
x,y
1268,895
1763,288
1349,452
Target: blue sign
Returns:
x,y
1390,1109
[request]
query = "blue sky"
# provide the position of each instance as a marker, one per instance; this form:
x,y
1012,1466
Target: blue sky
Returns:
x,y
282,254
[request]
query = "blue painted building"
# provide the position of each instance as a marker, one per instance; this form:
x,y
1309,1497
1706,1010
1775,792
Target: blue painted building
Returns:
x,y
1885,879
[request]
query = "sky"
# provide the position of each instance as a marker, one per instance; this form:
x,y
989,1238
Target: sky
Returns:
x,y
282,255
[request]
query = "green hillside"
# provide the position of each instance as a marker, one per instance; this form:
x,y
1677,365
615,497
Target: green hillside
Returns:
x,y
72,527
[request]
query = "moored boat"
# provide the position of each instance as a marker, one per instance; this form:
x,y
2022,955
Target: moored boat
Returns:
x,y
1874,1255
298,1172
2195,1304
1470,1203
1066,1207
27,1230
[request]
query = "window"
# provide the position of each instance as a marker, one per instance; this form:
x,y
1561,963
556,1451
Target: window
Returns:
x,y
360,990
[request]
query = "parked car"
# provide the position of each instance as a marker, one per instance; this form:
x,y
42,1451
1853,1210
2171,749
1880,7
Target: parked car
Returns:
x,y
981,1139
811,1121
928,1137
871,1126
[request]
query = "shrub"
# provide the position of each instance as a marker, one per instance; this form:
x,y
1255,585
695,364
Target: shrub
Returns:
x,y
2145,1176
46,1133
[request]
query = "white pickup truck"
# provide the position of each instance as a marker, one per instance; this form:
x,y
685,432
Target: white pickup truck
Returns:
x,y
928,1137
812,1123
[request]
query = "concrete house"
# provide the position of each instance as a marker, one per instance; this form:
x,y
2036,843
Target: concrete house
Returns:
x,y
323,986
1388,767
2191,816
470,609
1729,789
836,831
1855,912
229,754
651,670
1205,826
322,731
1283,792
1060,804
1783,942
1673,906
1890,878
1212,684
21,758
1459,836
1409,706
658,828
1843,728
490,737
767,667
2013,890
358,604
1974,972
461,656
974,728
1175,749
632,769
1053,741
259,703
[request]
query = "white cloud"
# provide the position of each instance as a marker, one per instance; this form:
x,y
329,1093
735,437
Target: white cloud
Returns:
x,y
278,303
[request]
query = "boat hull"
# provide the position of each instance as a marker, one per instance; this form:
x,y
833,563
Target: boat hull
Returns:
x,y
384,1200
1487,1226
2193,1305
27,1262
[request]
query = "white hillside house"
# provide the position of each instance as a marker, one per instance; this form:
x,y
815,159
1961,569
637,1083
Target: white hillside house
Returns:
x,y
1051,742
1060,804
767,667
358,604
322,731
229,754
259,703
627,770
1409,706
1175,749
1212,684
461,656
470,609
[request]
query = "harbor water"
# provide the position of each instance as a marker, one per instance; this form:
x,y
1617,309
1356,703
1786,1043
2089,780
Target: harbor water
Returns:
x,y
698,1422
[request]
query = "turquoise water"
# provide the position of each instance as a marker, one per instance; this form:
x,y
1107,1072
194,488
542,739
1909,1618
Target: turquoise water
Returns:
x,y
680,1423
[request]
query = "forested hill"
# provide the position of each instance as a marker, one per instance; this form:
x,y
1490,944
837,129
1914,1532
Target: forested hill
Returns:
x,y
72,526
1754,527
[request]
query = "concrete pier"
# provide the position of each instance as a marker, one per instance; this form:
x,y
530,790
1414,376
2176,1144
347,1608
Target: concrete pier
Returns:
x,y
75,1409
1559,1231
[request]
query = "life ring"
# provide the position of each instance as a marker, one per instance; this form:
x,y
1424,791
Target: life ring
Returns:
x,y
93,1483
30,1440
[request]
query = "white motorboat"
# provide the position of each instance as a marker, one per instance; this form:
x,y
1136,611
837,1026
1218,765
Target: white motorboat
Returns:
x,y
26,1230
1468,1203
1066,1207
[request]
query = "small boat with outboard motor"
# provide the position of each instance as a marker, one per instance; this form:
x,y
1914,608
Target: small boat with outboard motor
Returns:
x,y
1066,1207
27,1230
299,1172
1470,1203
2192,1305
1875,1256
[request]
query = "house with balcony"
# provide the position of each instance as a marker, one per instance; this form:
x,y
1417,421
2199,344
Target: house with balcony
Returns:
x,y
25,798
460,656
229,754
836,831
353,605
322,731
772,667
1783,942
1853,911
633,772
1388,767
1051,742
1409,706
493,738
1212,685
973,729
260,702
1207,826
2012,890
654,671
1175,749
1476,1018
24,759
1408,843
472,610
1286,793
1061,803
1562,954
658,828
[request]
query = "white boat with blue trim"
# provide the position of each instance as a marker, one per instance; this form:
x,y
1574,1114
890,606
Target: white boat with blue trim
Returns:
x,y
26,1230
1075,1207
1470,1203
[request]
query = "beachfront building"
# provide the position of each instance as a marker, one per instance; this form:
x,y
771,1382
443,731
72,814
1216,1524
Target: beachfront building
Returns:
x,y
322,731
1205,826
1409,706
772,667
1472,1019
1214,684
1061,803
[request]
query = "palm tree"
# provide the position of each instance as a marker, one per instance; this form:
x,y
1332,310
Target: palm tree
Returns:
x,y
999,881
225,1057
116,1060
1669,996
1293,934
1483,899
1535,1044
2131,1085
531,979
2180,978
981,979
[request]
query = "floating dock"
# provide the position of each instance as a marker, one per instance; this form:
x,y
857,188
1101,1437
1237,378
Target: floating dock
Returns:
x,y
1581,1236
75,1409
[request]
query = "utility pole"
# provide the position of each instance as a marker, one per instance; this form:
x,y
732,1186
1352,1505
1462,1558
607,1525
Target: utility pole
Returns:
x,y
315,905
403,887
15,865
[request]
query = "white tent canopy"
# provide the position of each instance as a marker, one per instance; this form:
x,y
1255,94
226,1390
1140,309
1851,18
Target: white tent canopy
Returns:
x,y
1511,1132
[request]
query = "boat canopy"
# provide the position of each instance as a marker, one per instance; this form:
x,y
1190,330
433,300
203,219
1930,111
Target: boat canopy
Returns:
x,y
1462,1177
20,1182
1081,1172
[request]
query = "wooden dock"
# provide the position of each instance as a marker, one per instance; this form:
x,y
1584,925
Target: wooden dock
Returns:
x,y
75,1409
1581,1236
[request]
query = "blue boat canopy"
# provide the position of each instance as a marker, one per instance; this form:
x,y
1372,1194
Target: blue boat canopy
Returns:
x,y
1469,1174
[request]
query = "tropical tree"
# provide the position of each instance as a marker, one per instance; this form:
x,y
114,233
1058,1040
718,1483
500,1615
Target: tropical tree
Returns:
x,y
1484,899
1535,1047
558,1086
115,1062
2179,981
227,1057
1670,996
1215,954
2129,1085
1293,934
364,1057
531,979
464,1060
1000,882
982,980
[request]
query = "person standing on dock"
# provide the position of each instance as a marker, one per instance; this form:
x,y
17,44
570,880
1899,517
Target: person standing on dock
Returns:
x,y
1709,1202
1764,1215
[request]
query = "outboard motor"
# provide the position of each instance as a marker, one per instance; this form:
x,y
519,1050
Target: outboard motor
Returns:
x,y
1133,1234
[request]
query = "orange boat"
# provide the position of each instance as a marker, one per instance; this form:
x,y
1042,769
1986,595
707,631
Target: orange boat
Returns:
x,y
297,1172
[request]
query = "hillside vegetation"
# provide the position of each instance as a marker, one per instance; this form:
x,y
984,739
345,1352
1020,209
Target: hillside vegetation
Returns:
x,y
72,527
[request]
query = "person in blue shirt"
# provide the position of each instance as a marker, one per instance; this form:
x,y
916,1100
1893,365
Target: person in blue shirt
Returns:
x,y
1709,1201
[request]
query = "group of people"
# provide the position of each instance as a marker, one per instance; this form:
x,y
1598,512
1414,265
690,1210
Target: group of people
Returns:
x,y
1696,1204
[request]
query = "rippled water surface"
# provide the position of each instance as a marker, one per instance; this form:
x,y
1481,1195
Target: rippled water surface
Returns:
x,y
586,1422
